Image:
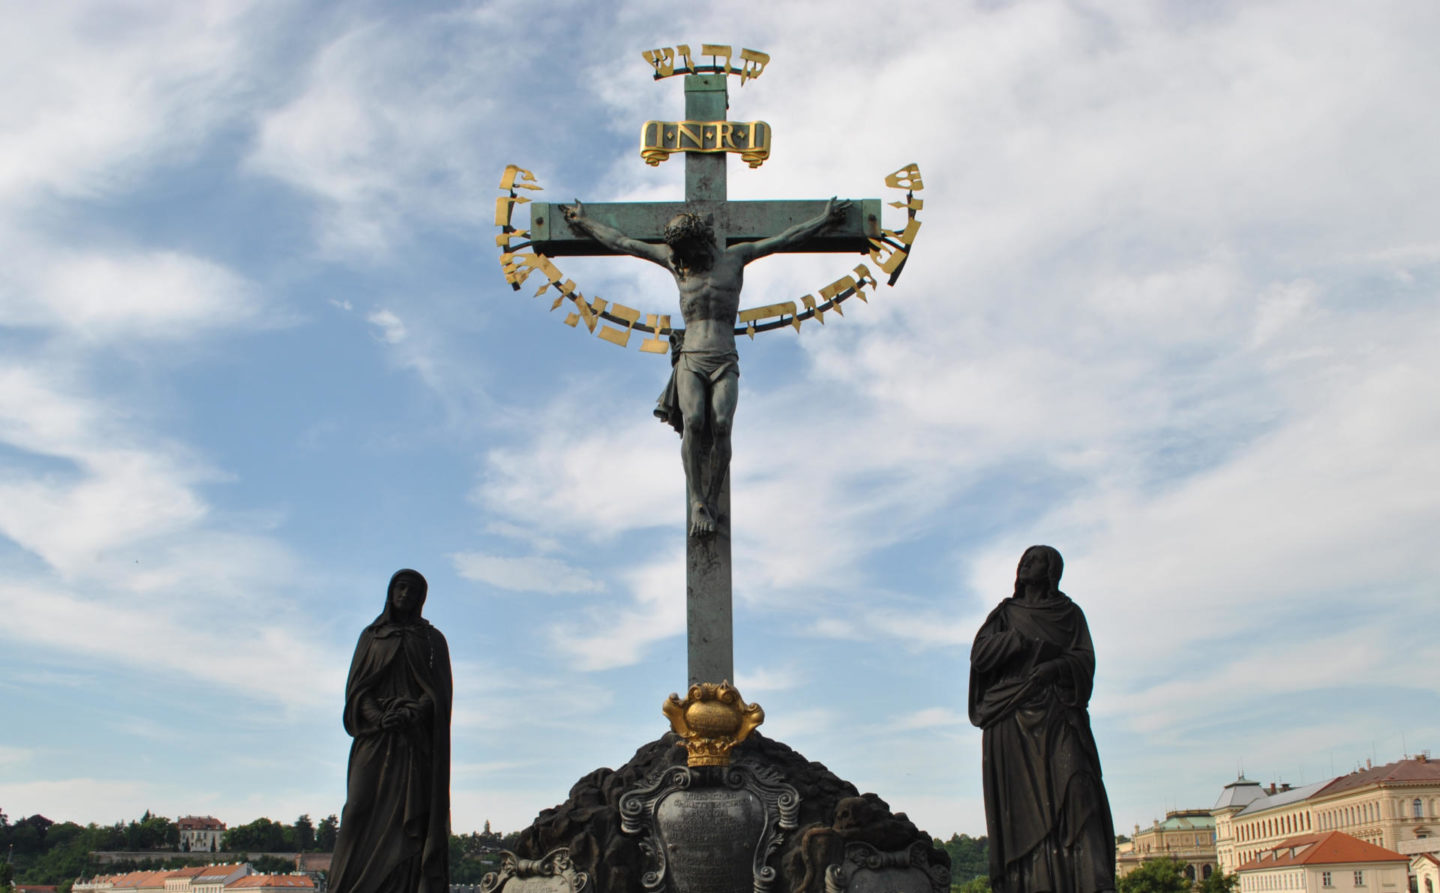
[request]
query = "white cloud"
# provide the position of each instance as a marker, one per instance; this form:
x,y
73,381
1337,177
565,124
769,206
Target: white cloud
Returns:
x,y
929,718
100,296
275,664
393,127
83,799
391,328
530,574
108,90
617,636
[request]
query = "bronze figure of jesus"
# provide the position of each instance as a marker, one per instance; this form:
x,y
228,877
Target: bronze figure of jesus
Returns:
x,y
704,383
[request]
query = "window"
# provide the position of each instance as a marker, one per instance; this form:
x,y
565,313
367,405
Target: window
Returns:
x,y
1325,879
1359,878
1417,808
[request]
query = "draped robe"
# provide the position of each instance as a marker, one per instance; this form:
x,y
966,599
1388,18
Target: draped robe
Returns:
x,y
1045,807
395,828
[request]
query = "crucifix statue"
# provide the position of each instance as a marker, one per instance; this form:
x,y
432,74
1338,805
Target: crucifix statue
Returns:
x,y
704,383
705,242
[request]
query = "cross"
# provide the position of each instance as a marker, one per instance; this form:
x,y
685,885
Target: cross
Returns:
x,y
709,612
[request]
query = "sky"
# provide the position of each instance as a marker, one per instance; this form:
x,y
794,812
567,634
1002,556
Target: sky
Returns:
x,y
1172,309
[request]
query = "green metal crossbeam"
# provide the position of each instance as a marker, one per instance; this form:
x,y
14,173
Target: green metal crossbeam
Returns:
x,y
738,221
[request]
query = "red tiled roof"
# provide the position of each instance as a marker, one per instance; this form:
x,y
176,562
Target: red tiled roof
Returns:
x,y
1326,848
272,880
217,870
142,879
199,823
192,871
1399,772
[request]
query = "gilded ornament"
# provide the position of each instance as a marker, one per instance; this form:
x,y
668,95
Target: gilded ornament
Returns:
x,y
711,720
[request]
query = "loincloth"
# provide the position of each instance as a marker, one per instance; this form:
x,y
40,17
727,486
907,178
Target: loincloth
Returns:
x,y
711,365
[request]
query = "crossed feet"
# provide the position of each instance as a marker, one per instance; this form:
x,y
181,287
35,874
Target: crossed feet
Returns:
x,y
702,521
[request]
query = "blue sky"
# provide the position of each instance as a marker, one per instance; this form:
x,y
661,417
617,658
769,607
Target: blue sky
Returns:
x,y
1172,310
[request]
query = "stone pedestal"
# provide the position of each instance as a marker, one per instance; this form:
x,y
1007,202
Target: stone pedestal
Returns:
x,y
710,829
642,827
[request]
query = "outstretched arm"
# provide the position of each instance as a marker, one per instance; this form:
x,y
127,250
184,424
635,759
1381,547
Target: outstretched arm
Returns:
x,y
834,211
612,238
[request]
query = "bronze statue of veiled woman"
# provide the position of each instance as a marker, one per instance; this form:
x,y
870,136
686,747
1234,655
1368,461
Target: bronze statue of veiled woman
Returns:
x,y
395,828
1032,668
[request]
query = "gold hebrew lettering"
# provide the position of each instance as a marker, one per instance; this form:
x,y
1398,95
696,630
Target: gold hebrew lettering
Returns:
x,y
662,60
581,311
684,50
717,50
614,335
907,235
620,336
838,291
502,240
750,316
753,62
655,344
566,289
528,181
504,205
908,178
892,261
518,267
864,273
914,204
809,302
591,312
629,314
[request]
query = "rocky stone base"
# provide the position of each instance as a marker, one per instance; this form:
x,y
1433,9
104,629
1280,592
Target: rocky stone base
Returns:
x,y
832,815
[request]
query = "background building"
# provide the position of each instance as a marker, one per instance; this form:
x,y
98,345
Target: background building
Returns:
x,y
1185,834
1391,806
1325,862
200,834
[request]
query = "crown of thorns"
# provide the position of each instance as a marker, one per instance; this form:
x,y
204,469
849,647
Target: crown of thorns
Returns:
x,y
686,227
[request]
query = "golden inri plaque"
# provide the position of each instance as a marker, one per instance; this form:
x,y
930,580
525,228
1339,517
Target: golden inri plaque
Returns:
x,y
750,140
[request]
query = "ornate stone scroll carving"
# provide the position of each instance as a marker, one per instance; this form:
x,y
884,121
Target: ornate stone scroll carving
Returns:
x,y
866,869
554,873
711,829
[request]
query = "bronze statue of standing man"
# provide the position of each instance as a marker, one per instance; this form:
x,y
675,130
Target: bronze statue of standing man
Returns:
x,y
1032,669
395,828
704,384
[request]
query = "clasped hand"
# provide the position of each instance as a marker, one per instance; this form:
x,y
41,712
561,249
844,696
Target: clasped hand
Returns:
x,y
400,712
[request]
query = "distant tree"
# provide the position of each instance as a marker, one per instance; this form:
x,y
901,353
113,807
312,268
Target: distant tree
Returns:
x,y
978,884
152,832
1220,882
326,833
7,877
272,865
304,831
969,857
259,836
1156,876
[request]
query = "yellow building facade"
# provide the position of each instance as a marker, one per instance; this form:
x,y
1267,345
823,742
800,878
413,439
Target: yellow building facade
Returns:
x,y
1186,834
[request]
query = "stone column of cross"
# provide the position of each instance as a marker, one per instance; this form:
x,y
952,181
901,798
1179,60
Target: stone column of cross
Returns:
x,y
709,613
